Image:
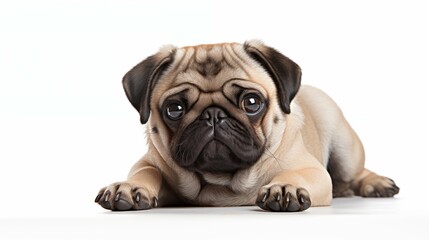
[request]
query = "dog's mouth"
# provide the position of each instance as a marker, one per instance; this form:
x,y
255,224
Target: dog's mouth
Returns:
x,y
226,148
215,157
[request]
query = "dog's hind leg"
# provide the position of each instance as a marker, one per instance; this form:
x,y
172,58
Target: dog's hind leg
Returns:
x,y
369,184
346,167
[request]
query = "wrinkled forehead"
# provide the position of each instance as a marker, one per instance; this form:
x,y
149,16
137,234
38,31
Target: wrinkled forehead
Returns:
x,y
211,66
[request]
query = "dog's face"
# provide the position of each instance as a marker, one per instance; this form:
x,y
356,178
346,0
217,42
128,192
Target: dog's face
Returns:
x,y
214,108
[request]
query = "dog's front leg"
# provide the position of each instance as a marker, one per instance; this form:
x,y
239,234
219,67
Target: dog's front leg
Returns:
x,y
296,190
140,191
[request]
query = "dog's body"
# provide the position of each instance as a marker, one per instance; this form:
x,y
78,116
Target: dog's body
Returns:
x,y
228,125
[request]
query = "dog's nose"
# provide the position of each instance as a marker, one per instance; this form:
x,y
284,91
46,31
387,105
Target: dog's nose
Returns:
x,y
213,115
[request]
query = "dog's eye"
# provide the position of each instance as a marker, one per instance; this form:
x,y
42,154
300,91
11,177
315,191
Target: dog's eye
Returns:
x,y
251,104
175,111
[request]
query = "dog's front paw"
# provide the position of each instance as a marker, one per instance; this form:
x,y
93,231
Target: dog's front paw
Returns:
x,y
125,196
283,198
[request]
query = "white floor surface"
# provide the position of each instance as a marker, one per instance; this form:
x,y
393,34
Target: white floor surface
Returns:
x,y
347,218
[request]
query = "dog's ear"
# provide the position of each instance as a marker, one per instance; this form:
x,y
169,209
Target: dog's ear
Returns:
x,y
140,81
285,73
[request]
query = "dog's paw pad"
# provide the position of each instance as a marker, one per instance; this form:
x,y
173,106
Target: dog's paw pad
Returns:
x,y
283,198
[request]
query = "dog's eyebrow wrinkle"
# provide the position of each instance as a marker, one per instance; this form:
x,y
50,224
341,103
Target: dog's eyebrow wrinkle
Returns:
x,y
228,58
179,63
191,54
236,58
186,83
201,55
184,62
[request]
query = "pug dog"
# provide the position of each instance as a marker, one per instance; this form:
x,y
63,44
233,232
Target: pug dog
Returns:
x,y
230,125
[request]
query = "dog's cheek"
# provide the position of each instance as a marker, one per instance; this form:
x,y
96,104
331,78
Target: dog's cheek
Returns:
x,y
272,127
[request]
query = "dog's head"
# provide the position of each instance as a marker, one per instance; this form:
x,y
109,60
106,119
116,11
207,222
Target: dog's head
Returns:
x,y
214,108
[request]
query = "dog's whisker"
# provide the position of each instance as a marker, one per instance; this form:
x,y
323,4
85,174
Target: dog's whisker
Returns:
x,y
270,154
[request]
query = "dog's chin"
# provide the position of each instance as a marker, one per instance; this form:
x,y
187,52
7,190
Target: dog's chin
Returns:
x,y
216,157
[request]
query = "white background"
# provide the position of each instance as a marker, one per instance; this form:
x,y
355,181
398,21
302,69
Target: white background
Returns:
x,y
67,129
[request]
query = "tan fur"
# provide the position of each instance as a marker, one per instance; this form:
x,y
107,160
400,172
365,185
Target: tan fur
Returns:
x,y
299,145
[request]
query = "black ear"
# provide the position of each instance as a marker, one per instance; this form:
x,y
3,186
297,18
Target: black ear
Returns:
x,y
140,81
285,73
